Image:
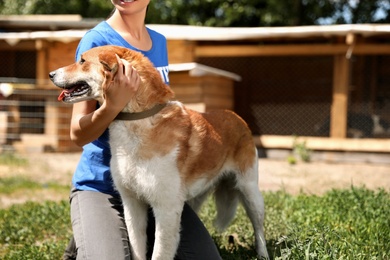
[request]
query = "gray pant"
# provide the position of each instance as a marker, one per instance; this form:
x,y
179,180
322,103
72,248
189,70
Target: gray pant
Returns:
x,y
100,232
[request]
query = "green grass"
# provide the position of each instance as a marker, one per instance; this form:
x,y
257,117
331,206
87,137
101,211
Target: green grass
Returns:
x,y
34,231
342,224
12,184
12,159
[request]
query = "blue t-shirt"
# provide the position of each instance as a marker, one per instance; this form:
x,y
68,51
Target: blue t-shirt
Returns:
x,y
93,170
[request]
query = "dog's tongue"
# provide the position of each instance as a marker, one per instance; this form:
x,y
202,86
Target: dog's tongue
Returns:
x,y
61,96
64,92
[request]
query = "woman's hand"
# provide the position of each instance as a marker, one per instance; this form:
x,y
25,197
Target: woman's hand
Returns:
x,y
117,92
88,123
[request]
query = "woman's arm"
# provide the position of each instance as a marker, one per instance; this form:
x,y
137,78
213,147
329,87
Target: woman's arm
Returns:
x,y
87,122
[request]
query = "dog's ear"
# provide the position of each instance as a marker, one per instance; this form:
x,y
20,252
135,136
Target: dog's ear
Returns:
x,y
109,62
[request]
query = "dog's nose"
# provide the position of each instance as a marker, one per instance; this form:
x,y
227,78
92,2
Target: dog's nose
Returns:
x,y
52,74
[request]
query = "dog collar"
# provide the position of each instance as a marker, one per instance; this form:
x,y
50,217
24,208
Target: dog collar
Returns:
x,y
140,115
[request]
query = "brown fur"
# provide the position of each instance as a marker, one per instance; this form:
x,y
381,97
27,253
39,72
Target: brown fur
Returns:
x,y
175,155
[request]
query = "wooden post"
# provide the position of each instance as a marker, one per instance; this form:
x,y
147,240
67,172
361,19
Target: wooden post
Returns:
x,y
41,65
339,109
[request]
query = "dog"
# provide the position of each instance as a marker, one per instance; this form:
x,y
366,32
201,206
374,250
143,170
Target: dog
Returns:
x,y
168,154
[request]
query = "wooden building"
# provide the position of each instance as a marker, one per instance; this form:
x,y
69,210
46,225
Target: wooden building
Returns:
x,y
284,81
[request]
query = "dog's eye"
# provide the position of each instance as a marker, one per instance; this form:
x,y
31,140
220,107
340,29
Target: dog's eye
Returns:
x,y
81,61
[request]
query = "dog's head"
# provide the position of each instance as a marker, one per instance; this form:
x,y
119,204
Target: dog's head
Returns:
x,y
84,79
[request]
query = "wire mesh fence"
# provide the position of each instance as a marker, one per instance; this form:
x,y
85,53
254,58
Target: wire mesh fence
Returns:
x,y
277,96
293,95
33,119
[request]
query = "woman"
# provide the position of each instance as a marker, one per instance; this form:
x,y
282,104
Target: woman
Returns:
x,y
96,210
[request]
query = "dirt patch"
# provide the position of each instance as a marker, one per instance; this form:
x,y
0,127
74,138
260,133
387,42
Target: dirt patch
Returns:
x,y
44,169
319,177
311,178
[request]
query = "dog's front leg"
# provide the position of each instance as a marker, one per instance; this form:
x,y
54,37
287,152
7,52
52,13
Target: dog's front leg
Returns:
x,y
136,219
167,234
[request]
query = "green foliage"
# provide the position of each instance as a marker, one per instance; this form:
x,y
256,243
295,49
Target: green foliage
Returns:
x,y
221,12
10,159
299,150
342,224
302,151
13,184
291,159
34,231
10,185
362,11
86,8
252,13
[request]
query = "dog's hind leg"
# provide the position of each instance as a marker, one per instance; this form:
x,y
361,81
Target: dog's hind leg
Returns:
x,y
253,202
226,201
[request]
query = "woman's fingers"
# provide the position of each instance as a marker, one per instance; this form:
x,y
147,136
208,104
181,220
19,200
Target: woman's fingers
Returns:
x,y
127,76
120,90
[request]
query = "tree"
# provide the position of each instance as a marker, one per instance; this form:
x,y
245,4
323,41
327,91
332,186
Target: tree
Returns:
x,y
86,8
249,13
348,11
268,12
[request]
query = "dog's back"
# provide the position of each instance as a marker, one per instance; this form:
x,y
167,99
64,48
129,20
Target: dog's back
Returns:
x,y
218,140
211,152
171,156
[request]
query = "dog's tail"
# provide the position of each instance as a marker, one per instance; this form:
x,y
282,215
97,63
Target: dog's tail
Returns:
x,y
226,201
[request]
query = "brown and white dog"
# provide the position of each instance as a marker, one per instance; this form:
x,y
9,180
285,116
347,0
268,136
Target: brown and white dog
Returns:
x,y
165,154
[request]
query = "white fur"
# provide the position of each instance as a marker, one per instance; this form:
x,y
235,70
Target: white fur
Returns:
x,y
196,155
153,182
156,182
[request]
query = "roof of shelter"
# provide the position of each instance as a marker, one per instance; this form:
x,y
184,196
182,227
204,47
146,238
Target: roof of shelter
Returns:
x,y
66,28
199,70
239,33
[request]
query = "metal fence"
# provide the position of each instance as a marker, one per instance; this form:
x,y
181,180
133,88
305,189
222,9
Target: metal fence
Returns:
x,y
293,95
277,96
33,119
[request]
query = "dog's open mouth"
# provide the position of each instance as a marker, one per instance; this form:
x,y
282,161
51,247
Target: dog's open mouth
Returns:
x,y
74,91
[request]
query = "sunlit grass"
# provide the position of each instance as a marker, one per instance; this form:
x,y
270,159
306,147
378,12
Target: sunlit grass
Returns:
x,y
11,159
341,224
11,185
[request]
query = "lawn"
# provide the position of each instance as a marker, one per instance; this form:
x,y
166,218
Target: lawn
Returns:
x,y
351,223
